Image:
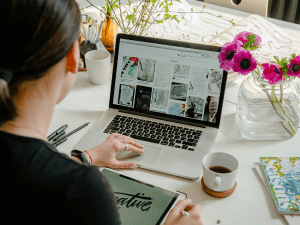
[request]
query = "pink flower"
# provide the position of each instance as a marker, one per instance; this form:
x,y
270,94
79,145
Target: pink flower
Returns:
x,y
225,57
257,39
294,67
242,36
272,72
243,62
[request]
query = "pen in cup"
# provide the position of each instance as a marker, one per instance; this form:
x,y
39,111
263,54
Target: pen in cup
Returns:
x,y
84,31
99,31
89,34
95,29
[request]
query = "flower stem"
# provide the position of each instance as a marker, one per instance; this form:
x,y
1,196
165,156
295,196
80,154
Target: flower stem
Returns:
x,y
273,99
289,132
281,93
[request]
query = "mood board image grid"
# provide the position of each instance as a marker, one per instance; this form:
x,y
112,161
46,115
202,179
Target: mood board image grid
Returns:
x,y
169,87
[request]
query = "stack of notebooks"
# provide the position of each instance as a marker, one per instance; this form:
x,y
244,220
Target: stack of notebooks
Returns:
x,y
281,177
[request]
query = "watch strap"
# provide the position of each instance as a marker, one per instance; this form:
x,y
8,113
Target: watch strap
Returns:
x,y
80,155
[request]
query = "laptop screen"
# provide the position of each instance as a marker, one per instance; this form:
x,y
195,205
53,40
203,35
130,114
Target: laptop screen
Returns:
x,y
172,80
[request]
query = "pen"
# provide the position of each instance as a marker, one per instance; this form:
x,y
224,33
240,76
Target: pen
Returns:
x,y
84,31
89,34
184,213
95,27
56,137
60,142
100,28
51,136
72,132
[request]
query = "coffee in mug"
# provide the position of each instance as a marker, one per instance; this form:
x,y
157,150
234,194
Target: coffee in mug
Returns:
x,y
219,171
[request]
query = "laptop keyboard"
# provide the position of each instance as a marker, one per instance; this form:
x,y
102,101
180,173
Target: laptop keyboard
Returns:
x,y
159,133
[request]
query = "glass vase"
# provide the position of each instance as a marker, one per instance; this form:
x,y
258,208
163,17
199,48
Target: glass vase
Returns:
x,y
267,112
109,33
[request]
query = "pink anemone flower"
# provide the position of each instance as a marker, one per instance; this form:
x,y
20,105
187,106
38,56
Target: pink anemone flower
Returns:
x,y
225,57
243,62
242,36
272,72
294,67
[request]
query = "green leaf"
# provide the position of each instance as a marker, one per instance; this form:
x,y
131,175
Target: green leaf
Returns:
x,y
192,9
276,58
166,8
167,16
175,18
204,6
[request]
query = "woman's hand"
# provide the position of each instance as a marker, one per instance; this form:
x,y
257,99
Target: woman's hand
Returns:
x,y
176,218
105,153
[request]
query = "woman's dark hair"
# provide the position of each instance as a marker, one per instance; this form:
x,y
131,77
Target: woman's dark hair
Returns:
x,y
35,36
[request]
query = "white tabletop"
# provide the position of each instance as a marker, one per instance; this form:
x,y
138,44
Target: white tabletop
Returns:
x,y
249,204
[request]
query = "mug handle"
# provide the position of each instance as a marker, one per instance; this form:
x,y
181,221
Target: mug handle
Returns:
x,y
217,184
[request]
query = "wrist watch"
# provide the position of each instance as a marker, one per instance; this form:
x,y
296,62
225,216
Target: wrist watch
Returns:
x,y
80,155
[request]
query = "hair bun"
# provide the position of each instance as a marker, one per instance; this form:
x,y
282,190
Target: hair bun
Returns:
x,y
6,74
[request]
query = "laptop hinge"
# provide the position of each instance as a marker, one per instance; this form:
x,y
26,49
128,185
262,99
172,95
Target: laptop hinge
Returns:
x,y
163,118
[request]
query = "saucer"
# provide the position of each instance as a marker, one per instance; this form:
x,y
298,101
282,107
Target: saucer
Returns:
x,y
215,193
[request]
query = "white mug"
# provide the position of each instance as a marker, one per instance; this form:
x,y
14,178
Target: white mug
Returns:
x,y
98,66
216,181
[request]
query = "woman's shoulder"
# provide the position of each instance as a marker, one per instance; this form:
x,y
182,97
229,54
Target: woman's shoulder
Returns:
x,y
35,159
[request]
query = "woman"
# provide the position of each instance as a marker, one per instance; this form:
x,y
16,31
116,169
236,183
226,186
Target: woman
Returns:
x,y
38,68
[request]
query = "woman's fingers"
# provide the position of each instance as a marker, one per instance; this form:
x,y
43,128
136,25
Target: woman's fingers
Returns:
x,y
129,147
133,145
129,140
181,205
124,165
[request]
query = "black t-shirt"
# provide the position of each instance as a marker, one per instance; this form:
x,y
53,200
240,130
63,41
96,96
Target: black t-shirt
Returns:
x,y
42,186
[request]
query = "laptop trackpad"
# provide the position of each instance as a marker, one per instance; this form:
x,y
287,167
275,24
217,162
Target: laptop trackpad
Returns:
x,y
149,155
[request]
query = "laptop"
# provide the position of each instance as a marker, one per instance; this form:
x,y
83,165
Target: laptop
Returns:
x,y
168,95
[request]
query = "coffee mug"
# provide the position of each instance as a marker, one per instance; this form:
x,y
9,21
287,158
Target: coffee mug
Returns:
x,y
98,66
219,171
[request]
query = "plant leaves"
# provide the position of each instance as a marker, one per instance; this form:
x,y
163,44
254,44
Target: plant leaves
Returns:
x,y
166,8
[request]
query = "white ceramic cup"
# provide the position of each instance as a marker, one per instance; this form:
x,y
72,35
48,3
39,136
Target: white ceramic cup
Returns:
x,y
219,182
98,66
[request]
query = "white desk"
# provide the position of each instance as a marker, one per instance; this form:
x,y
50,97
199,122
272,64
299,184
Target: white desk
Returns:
x,y
249,204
